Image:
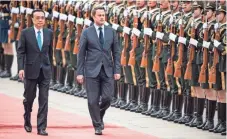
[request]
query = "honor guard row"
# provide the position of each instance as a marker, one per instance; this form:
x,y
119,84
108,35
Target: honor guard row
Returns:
x,y
173,53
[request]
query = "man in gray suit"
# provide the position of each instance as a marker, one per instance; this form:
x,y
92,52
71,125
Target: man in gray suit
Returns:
x,y
99,63
34,62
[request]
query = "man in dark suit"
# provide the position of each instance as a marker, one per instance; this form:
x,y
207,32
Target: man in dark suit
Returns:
x,y
99,63
34,61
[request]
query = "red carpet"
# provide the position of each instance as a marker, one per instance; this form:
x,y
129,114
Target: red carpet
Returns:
x,y
61,125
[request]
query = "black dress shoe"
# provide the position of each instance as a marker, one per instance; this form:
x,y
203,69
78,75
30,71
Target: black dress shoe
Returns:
x,y
223,133
98,131
42,133
28,128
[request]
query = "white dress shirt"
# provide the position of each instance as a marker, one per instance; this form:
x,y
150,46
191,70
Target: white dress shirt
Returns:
x,y
97,30
36,33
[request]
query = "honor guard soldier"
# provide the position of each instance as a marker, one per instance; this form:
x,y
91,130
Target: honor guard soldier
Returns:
x,y
127,24
147,62
172,57
217,74
7,35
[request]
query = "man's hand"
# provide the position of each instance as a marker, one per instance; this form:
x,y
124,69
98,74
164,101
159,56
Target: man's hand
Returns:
x,y
117,76
80,79
21,74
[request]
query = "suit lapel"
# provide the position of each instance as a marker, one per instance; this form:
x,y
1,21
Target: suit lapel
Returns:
x,y
44,37
94,33
105,35
33,35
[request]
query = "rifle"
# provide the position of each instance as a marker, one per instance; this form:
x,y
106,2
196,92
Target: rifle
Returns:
x,y
45,7
87,13
132,57
170,66
132,60
188,72
144,61
29,16
202,75
106,11
70,25
178,65
156,65
126,39
79,31
55,26
22,23
213,70
146,44
14,19
62,28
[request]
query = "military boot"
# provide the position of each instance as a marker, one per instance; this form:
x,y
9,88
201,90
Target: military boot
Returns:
x,y
188,112
123,89
219,118
156,103
8,65
62,76
172,109
198,120
133,100
222,126
148,112
144,100
206,116
115,97
166,105
69,81
178,108
211,111
140,92
2,62
54,77
57,78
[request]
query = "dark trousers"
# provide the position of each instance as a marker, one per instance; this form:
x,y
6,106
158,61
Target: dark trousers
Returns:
x,y
30,86
99,88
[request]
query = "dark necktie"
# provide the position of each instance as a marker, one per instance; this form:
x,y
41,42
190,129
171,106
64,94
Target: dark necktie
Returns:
x,y
39,40
101,39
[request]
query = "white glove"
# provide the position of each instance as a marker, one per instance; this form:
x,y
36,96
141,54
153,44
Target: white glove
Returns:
x,y
206,44
182,40
55,14
136,32
29,10
71,18
126,30
216,43
46,14
159,35
172,37
148,31
115,26
63,17
193,42
106,24
79,21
